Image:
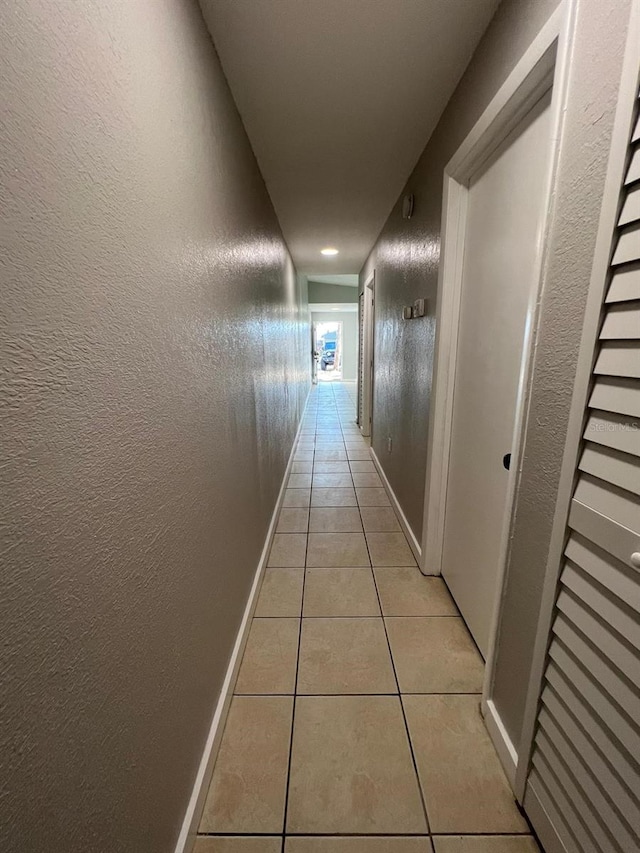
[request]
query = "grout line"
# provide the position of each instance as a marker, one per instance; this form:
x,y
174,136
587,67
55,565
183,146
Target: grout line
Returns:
x,y
349,569
367,835
295,691
335,695
404,716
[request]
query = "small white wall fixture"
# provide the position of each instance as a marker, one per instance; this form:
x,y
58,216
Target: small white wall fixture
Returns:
x,y
544,66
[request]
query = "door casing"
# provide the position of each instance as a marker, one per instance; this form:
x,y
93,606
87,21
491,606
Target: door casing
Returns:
x,y
365,354
544,66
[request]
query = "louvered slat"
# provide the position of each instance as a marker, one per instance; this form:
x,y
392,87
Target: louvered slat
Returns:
x,y
620,432
633,172
622,321
613,394
627,250
609,501
621,469
631,208
619,358
625,284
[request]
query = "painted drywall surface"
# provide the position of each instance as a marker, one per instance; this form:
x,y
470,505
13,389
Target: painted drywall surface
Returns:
x,y
320,291
155,362
406,257
601,28
349,320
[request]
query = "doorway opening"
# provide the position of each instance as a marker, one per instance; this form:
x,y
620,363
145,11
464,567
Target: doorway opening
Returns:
x,y
328,346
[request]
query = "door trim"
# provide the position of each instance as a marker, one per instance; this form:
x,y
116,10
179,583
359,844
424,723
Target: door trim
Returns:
x,y
530,79
545,65
367,353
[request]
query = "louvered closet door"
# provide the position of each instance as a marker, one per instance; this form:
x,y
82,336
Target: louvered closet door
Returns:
x,y
586,760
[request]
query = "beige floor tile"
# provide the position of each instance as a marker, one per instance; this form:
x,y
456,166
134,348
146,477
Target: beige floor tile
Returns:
x,y
351,768
362,455
390,549
336,550
463,783
281,593
340,592
358,844
407,592
485,844
301,467
367,481
372,497
330,456
339,656
335,519
288,551
356,443
331,468
434,655
332,481
299,481
269,661
362,467
379,519
293,520
303,456
248,787
237,844
296,497
333,497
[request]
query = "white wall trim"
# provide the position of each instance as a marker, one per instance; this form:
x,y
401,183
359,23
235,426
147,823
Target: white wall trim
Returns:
x,y
501,740
408,532
365,371
193,814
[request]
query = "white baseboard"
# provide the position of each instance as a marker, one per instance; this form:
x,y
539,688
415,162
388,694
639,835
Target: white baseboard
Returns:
x,y
501,740
408,532
188,832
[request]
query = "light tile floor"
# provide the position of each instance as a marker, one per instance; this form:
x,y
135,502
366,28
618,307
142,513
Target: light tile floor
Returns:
x,y
355,725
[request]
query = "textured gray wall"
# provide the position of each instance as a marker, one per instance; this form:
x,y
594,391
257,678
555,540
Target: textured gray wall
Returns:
x,y
406,257
601,28
149,400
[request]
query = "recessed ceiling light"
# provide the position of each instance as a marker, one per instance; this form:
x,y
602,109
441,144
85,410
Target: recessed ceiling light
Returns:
x,y
329,251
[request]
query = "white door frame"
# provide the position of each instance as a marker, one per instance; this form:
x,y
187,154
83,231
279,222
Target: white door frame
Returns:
x,y
367,353
543,66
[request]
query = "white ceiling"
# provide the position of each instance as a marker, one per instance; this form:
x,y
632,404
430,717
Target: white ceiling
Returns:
x,y
339,98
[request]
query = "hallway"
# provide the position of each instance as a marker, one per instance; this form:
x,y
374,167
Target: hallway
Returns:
x,y
343,736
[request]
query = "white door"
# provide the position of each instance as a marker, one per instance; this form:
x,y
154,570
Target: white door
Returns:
x,y
503,230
